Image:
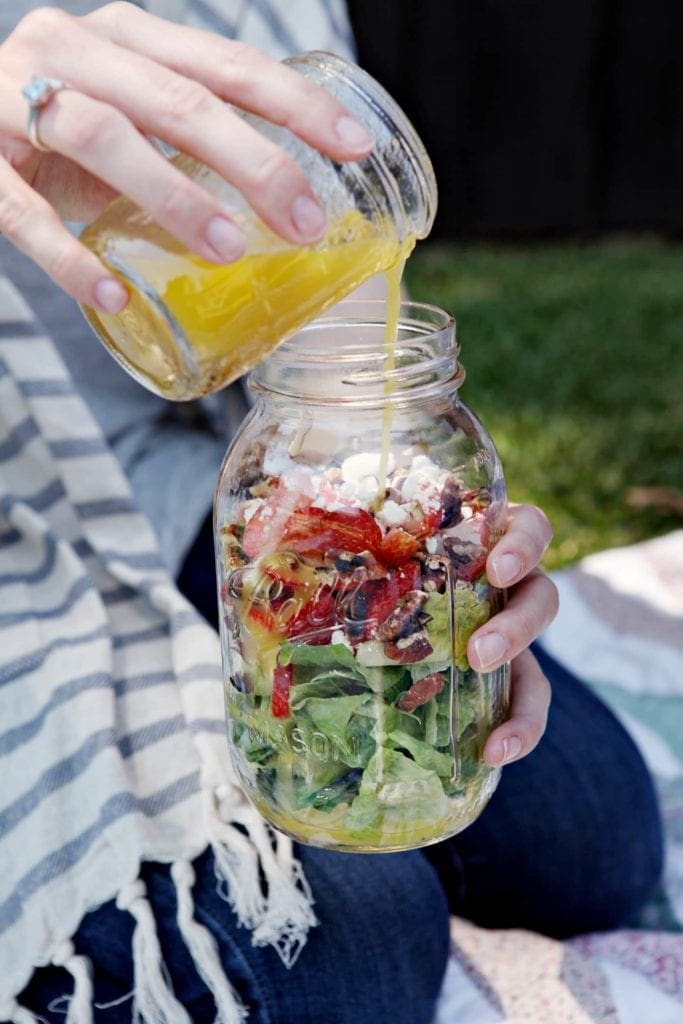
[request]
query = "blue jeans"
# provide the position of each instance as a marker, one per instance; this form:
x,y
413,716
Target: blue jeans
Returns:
x,y
571,842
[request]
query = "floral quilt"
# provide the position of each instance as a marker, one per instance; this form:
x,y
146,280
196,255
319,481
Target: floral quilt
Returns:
x,y
620,628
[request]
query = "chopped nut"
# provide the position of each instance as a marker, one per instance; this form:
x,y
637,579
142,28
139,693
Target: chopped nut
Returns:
x,y
451,503
421,692
434,576
409,649
405,618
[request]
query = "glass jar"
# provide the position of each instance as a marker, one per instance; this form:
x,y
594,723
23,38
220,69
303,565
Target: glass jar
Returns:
x,y
192,327
354,513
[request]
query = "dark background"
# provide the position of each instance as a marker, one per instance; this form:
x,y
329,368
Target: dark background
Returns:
x,y
542,117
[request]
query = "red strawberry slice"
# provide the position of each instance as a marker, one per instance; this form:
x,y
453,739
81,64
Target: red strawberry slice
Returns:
x,y
279,698
398,546
313,532
383,595
317,614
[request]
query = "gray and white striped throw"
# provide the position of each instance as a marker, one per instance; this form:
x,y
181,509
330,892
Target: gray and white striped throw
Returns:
x,y
111,713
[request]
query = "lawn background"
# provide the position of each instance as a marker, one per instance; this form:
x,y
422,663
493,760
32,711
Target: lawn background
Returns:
x,y
574,359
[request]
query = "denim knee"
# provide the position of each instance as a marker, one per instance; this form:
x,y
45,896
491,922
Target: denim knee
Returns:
x,y
381,948
571,841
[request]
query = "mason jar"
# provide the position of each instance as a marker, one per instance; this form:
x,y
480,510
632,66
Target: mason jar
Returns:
x,y
191,327
354,513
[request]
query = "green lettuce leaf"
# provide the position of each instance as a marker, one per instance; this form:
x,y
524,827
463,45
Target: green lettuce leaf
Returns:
x,y
396,796
470,613
423,753
317,656
331,714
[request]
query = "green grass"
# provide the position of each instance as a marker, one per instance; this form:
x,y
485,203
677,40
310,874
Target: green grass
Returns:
x,y
574,359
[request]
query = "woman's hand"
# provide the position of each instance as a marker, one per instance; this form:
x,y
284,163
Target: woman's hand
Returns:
x,y
130,75
532,606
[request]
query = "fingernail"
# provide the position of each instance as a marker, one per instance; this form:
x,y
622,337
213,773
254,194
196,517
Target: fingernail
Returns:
x,y
507,567
353,135
307,217
490,649
512,748
110,295
225,238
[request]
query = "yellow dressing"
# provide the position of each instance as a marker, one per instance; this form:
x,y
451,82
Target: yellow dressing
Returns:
x,y
231,316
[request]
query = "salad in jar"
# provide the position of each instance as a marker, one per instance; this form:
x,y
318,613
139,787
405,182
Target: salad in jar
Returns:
x,y
355,719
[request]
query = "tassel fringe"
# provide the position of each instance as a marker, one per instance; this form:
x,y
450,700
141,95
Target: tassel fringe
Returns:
x,y
79,1009
203,949
236,863
16,1014
153,1001
287,910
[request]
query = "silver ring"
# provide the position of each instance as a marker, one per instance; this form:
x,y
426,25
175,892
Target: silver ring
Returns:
x,y
39,91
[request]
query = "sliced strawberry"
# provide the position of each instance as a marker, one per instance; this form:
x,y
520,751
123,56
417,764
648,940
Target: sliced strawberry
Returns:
x,y
279,698
398,546
382,596
317,614
313,532
263,532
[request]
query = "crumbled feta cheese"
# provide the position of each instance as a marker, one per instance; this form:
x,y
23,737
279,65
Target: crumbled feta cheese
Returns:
x,y
339,637
355,467
250,508
417,485
347,489
366,489
392,514
432,544
276,462
299,479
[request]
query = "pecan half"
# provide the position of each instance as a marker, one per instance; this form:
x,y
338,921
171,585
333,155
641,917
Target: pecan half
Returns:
x,y
434,576
451,504
408,649
421,692
405,618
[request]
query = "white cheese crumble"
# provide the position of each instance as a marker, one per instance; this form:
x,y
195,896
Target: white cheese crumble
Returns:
x,y
276,462
363,464
251,507
392,514
339,637
366,489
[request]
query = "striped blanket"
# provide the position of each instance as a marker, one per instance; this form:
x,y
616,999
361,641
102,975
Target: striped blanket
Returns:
x,y
620,627
111,709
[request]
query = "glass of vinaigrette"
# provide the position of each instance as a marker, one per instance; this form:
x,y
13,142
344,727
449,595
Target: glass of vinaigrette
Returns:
x,y
192,327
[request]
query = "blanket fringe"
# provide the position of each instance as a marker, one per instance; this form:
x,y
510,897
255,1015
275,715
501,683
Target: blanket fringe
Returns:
x,y
203,949
236,864
153,1001
13,1012
79,1009
287,912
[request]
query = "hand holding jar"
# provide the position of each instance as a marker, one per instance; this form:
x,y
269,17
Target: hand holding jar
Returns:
x,y
113,80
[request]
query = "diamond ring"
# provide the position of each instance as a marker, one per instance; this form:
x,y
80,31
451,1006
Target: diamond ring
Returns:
x,y
39,91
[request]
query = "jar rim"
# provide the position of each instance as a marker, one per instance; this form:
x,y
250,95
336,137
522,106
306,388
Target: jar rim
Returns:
x,y
342,356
